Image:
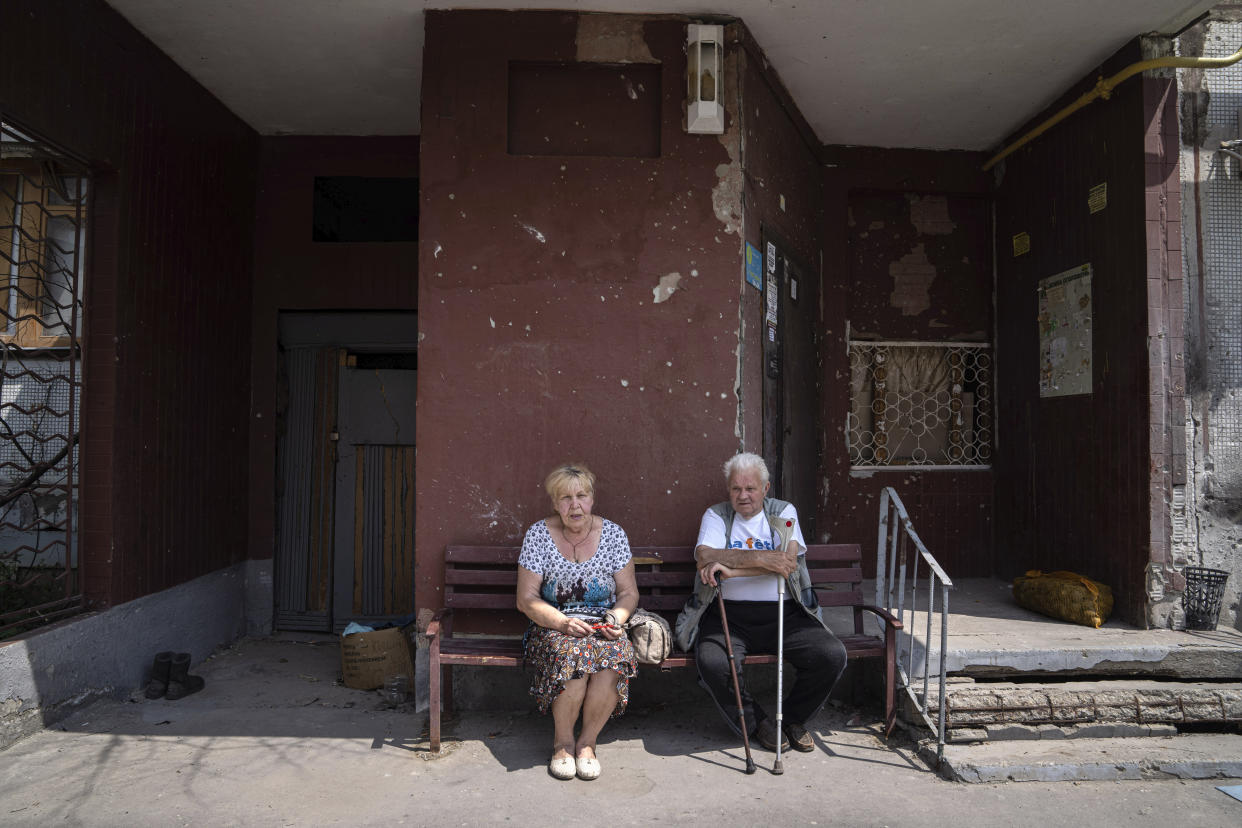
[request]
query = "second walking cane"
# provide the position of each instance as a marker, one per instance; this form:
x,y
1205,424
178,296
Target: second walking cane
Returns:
x,y
777,766
737,687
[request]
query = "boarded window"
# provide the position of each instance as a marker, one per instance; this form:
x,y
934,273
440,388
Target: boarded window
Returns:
x,y
584,109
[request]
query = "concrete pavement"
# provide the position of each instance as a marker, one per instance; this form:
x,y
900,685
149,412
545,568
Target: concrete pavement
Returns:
x,y
273,740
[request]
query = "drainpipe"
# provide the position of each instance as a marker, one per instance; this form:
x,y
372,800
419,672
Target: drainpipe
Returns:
x,y
1104,88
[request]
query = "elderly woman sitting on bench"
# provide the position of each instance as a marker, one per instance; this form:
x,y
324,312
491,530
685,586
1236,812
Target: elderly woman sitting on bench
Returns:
x,y
576,584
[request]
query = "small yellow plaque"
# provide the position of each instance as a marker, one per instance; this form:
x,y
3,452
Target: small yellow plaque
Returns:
x,y
1021,243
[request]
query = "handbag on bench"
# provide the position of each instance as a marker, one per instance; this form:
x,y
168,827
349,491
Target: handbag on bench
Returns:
x,y
650,635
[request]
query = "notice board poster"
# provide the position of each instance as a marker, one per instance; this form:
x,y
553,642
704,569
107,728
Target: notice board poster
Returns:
x,y
1065,333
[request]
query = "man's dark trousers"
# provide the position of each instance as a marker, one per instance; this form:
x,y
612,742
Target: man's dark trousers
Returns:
x,y
815,653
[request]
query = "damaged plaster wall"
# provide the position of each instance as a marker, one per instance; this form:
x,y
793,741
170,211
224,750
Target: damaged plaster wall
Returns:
x,y
1207,509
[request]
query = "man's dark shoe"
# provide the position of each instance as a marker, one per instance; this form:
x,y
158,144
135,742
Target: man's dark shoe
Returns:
x,y
799,737
765,735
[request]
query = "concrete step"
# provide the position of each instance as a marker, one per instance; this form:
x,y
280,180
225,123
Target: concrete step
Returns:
x,y
1195,756
983,705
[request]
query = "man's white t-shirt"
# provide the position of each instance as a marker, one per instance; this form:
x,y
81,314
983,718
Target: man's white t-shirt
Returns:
x,y
755,533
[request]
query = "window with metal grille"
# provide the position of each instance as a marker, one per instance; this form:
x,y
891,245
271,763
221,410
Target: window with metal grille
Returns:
x,y
43,211
920,404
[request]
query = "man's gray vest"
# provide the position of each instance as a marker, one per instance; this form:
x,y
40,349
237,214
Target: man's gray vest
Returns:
x,y
798,584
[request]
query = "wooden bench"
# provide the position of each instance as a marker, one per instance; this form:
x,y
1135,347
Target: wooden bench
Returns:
x,y
485,577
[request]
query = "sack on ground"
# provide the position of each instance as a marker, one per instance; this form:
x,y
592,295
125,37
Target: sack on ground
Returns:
x,y
367,658
1064,595
651,636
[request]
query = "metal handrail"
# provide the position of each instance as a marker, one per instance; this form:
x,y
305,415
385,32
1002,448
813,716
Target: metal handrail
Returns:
x,y
891,591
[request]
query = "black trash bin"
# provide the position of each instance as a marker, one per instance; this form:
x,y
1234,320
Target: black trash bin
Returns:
x,y
1204,590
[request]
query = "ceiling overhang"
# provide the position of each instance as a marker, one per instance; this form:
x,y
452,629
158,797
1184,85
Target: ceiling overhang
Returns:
x,y
936,74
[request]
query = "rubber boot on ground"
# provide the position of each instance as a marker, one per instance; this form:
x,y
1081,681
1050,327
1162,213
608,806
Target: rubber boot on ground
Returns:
x,y
180,682
158,685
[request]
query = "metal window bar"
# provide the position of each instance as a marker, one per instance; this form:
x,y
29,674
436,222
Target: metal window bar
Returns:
x,y
894,562
44,204
920,405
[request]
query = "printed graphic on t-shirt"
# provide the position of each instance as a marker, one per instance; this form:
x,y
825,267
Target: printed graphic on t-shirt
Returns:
x,y
750,543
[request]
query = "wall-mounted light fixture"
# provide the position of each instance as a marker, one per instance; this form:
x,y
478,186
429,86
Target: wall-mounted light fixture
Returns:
x,y
704,58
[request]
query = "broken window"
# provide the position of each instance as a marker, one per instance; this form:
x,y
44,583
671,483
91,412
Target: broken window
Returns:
x,y
920,404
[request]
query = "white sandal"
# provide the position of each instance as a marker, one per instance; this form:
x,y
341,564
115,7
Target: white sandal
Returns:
x,y
562,768
587,768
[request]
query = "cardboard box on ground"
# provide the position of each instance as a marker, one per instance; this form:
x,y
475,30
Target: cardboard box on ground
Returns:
x,y
367,658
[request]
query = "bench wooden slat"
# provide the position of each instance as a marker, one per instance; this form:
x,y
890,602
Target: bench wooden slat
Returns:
x,y
664,579
838,599
664,554
475,600
481,577
845,575
662,603
482,554
833,552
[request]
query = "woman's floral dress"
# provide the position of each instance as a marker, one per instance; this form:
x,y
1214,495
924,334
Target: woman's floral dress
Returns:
x,y
581,590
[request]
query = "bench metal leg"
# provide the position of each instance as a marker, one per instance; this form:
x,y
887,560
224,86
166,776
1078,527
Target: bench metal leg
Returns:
x,y
434,703
440,698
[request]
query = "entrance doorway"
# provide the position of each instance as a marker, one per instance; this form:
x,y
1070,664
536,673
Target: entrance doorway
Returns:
x,y
790,381
345,474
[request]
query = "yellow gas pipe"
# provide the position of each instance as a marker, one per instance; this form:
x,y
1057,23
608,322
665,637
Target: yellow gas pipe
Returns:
x,y
1104,88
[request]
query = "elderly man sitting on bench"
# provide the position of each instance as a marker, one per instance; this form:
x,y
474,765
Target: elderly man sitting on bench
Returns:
x,y
738,552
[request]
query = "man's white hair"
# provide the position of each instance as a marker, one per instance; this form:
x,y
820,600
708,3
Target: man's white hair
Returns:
x,y
746,462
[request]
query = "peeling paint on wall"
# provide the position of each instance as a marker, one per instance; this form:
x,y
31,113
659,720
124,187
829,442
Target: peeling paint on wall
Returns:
x,y
727,194
912,277
539,237
930,215
604,38
667,287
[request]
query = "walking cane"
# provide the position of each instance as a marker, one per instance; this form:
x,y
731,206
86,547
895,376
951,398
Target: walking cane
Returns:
x,y
777,767
737,688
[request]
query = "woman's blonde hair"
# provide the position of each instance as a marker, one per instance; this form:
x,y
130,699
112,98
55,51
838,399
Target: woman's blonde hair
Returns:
x,y
560,479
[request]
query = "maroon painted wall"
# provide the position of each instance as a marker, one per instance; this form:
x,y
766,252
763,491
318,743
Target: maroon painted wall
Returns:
x,y
541,340
1075,475
293,272
167,289
868,227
